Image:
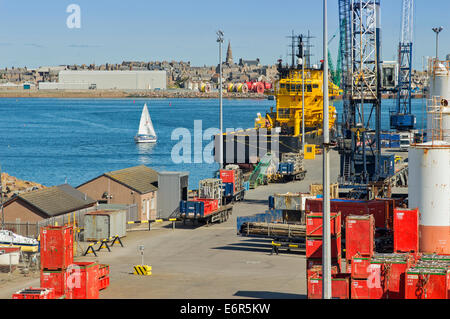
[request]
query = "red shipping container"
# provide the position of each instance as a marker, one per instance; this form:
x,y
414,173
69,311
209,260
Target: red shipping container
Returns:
x,y
380,209
314,225
210,205
314,247
228,176
56,279
340,287
426,283
56,247
84,277
406,230
360,267
360,234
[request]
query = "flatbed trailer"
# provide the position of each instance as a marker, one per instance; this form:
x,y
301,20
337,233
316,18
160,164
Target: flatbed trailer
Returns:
x,y
196,217
291,167
295,176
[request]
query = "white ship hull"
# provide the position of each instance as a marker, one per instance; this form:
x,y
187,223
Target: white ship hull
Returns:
x,y
144,139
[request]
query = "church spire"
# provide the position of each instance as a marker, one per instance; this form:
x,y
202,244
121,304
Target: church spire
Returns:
x,y
229,60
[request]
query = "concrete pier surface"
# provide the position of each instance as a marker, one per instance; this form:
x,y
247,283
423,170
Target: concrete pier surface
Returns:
x,y
206,262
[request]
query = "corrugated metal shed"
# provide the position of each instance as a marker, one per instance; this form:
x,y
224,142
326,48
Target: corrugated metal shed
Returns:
x,y
57,200
104,224
173,187
142,179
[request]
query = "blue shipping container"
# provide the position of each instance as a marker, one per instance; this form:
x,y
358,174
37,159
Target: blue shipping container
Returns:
x,y
228,189
286,168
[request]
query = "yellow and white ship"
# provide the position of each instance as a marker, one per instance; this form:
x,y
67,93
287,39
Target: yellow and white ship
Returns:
x,y
289,107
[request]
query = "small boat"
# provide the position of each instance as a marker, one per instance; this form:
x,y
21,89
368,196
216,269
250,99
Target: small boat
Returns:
x,y
9,239
146,133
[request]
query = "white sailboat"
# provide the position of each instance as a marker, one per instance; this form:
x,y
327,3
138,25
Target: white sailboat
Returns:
x,y
146,133
10,239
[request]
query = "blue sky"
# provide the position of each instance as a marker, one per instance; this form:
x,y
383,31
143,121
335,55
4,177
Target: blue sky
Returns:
x,y
34,33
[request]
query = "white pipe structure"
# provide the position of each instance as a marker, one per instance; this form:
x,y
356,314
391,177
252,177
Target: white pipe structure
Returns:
x,y
303,96
220,41
326,245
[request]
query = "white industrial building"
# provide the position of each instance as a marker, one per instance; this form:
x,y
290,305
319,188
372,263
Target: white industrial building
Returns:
x,y
114,80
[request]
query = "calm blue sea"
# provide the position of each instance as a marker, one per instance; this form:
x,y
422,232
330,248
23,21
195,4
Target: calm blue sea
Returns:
x,y
51,141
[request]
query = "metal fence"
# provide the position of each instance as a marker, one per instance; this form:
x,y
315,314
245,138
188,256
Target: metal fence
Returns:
x,y
32,230
24,229
132,215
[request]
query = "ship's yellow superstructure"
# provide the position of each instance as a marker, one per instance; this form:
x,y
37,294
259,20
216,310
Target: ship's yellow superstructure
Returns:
x,y
288,93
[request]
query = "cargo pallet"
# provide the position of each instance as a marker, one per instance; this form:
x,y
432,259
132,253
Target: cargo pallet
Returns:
x,y
220,215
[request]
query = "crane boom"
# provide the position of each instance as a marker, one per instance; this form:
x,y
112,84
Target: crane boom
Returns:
x,y
402,118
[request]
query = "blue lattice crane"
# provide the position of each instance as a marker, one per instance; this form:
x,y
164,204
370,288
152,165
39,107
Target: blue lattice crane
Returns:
x,y
402,118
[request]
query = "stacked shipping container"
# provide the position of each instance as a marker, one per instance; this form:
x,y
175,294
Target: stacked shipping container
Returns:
x,y
314,240
61,277
56,257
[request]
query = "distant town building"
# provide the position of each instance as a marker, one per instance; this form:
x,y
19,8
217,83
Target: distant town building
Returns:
x,y
117,80
243,62
229,59
134,185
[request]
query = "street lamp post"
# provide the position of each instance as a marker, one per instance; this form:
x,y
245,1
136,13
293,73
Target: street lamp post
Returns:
x,y
437,31
326,248
220,41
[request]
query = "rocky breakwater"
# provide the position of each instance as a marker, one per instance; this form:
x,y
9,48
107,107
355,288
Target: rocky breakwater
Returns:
x,y
12,186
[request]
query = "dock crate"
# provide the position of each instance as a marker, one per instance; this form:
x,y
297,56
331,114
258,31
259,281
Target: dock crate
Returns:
x,y
391,269
56,247
426,283
360,267
340,286
57,280
360,235
34,293
360,289
406,230
314,247
88,280
314,224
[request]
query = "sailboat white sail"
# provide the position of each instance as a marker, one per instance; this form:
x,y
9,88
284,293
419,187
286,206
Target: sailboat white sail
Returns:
x,y
146,132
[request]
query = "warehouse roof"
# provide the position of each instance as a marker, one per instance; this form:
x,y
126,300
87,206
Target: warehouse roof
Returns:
x,y
56,200
141,179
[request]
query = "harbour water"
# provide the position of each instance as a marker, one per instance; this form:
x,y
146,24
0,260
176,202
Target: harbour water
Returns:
x,y
53,141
